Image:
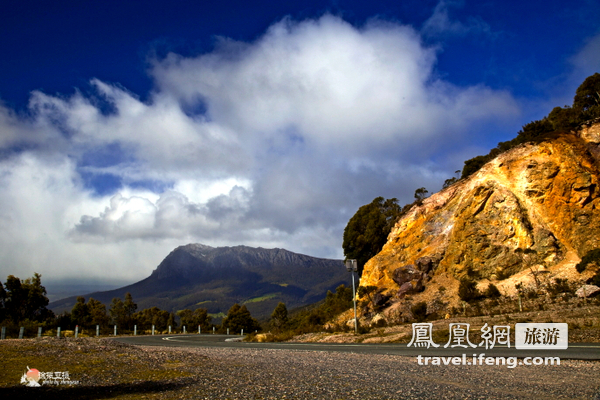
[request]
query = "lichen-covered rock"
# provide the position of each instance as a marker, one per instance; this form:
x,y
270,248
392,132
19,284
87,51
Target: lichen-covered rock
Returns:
x,y
588,291
409,279
378,320
530,206
380,300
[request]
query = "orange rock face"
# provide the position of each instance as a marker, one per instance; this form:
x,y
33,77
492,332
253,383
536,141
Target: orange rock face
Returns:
x,y
530,206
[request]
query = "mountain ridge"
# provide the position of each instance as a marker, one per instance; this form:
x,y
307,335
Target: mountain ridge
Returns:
x,y
196,275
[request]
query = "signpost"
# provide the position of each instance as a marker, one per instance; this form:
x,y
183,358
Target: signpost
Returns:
x,y
352,267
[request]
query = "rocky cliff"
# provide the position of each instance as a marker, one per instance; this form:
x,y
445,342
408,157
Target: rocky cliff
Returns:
x,y
535,207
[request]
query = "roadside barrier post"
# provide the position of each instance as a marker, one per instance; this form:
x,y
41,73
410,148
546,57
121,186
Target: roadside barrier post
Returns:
x,y
199,330
169,329
76,331
58,332
153,329
39,331
21,330
213,330
184,329
115,330
97,330
135,330
242,332
228,331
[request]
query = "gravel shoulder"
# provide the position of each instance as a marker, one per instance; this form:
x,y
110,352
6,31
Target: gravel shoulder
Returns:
x,y
107,369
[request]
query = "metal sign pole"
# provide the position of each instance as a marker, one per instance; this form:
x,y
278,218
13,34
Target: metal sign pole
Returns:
x,y
352,267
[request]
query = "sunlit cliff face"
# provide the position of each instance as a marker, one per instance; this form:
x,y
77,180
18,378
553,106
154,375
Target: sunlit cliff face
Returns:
x,y
535,205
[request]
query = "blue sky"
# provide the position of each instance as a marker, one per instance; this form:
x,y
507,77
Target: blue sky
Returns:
x,y
126,130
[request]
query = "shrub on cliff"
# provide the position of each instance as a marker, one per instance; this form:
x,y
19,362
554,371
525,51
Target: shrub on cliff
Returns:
x,y
419,311
467,290
592,256
587,98
492,292
586,106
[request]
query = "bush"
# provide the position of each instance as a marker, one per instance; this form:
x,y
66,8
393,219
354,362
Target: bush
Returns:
x,y
596,279
560,286
586,106
467,290
419,311
492,292
592,256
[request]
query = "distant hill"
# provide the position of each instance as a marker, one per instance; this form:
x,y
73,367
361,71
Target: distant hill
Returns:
x,y
215,278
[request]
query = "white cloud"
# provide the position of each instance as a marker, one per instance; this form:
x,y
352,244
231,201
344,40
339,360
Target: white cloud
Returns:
x,y
587,60
441,25
302,126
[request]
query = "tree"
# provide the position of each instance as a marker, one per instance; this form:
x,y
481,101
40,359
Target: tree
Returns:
x,y
2,302
186,317
171,321
238,318
586,107
129,308
474,164
15,299
36,299
367,231
563,118
193,319
279,317
202,319
117,312
80,313
337,302
152,316
26,300
451,181
421,193
97,311
587,98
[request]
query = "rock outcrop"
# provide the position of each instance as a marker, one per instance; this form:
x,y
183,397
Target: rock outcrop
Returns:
x,y
535,205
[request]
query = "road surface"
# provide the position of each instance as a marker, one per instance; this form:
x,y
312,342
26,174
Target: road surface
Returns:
x,y
576,351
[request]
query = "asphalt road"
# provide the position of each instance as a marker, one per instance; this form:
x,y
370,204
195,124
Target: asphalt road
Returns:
x,y
576,351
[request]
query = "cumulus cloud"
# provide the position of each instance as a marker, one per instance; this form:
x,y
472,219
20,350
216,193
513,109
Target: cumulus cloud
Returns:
x,y
325,83
273,143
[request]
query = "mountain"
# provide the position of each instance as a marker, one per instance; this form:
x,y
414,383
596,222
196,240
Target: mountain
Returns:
x,y
533,211
215,278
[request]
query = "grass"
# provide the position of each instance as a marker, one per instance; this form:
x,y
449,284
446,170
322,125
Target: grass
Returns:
x,y
84,363
262,298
